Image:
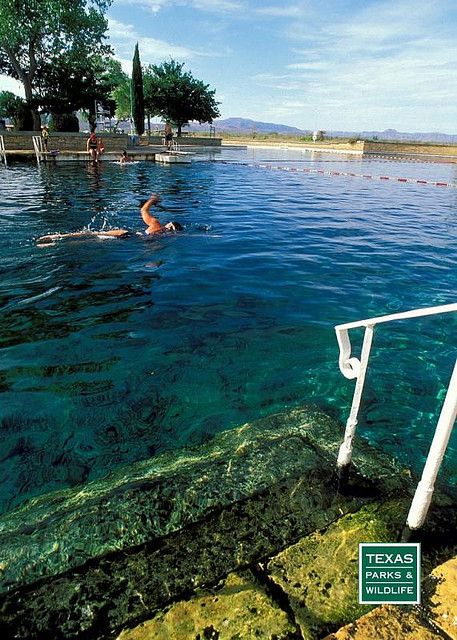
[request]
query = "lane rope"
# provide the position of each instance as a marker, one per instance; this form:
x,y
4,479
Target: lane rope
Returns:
x,y
351,175
368,176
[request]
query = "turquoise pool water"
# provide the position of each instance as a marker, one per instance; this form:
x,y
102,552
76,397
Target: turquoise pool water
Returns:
x,y
113,351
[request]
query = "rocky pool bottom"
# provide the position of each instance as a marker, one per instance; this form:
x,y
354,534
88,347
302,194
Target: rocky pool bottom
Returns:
x,y
245,536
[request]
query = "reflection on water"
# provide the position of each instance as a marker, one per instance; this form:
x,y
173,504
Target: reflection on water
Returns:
x,y
115,351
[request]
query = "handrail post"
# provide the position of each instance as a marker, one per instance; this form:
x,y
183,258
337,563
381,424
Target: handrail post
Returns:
x,y
424,491
353,368
2,150
345,451
38,146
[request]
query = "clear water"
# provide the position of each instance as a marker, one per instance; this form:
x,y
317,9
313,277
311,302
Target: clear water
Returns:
x,y
116,350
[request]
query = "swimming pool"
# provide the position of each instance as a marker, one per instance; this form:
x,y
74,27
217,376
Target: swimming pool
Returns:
x,y
114,351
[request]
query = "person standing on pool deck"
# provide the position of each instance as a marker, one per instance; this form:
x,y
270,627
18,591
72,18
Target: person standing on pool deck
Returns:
x,y
153,223
168,135
45,136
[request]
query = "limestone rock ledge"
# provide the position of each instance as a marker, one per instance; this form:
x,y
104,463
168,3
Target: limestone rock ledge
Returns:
x,y
239,608
319,574
311,588
434,619
87,562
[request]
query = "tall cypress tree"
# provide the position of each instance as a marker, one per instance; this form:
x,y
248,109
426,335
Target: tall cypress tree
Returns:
x,y
137,93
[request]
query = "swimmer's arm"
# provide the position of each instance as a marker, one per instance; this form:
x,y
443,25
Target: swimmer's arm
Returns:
x,y
57,236
115,233
152,222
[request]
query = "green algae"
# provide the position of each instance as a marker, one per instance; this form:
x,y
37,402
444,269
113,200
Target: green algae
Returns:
x,y
320,573
74,561
237,609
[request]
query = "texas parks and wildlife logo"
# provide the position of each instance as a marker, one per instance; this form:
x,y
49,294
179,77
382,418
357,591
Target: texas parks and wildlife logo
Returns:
x,y
389,573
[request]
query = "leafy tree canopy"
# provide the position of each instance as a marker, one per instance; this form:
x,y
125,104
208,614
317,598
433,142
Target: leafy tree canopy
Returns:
x,y
37,36
15,108
177,96
9,104
70,84
121,97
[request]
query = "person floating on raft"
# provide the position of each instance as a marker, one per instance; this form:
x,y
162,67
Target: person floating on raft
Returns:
x,y
154,227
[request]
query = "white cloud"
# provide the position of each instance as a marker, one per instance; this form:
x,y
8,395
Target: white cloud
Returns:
x,y
217,5
124,37
152,5
213,6
293,104
281,82
390,62
309,66
291,11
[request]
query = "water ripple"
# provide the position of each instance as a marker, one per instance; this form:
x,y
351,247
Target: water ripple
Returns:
x,y
112,352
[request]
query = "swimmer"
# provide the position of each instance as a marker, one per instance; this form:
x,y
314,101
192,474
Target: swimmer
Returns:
x,y
168,136
153,223
153,227
125,158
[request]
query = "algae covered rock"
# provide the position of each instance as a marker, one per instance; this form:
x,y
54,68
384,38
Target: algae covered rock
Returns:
x,y
434,619
319,574
386,623
443,601
237,610
162,528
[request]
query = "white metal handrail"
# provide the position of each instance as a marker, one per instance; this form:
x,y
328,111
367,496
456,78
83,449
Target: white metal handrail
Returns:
x,y
174,147
38,146
2,149
352,367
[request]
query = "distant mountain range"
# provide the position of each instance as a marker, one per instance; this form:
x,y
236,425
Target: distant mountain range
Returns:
x,y
246,126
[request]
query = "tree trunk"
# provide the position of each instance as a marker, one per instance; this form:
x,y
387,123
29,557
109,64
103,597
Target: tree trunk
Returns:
x,y
36,120
26,79
29,99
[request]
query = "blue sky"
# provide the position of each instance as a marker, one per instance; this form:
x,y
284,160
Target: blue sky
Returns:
x,y
328,64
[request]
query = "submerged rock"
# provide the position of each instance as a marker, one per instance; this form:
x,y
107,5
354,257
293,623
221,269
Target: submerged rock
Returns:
x,y
239,608
74,562
319,574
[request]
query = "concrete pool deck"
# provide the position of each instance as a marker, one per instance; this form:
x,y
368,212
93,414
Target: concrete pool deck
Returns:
x,y
140,154
446,154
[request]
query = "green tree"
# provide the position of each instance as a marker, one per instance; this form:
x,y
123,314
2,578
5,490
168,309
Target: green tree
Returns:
x,y
137,93
15,108
147,79
121,97
39,35
74,83
177,96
